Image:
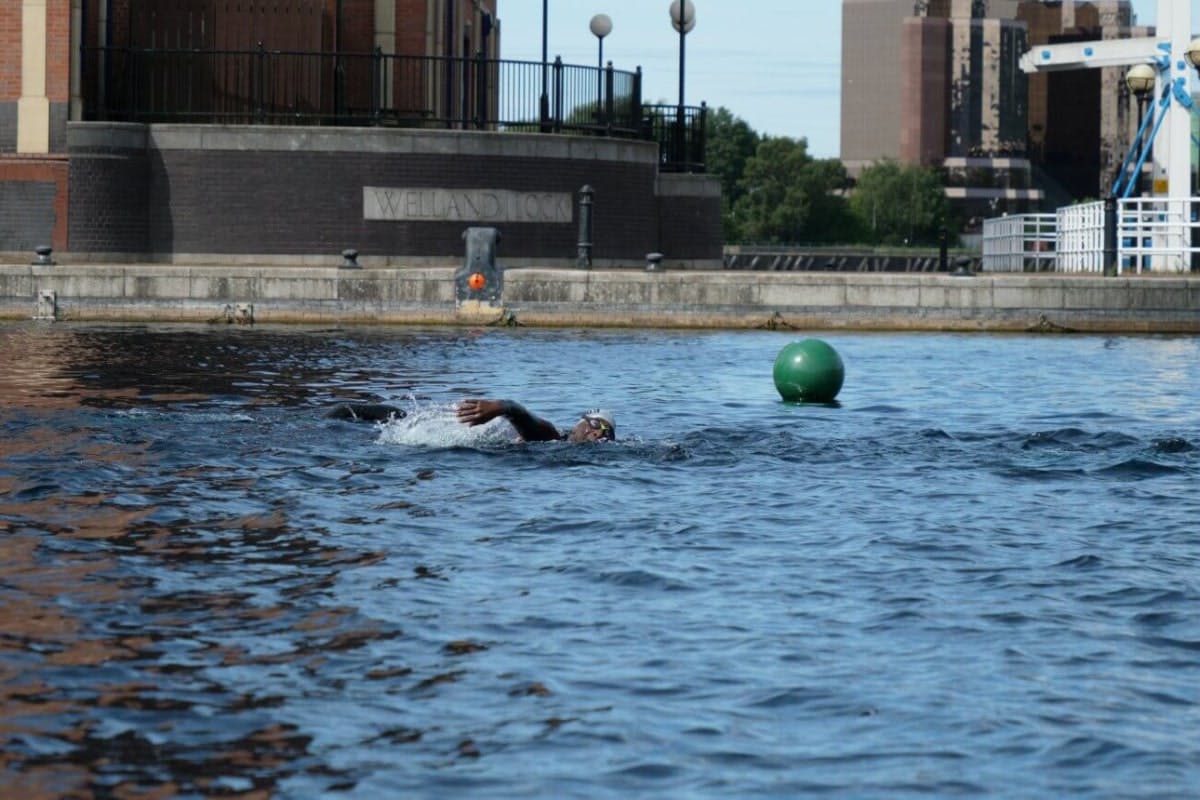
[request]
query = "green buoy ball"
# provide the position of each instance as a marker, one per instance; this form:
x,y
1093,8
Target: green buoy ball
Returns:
x,y
809,371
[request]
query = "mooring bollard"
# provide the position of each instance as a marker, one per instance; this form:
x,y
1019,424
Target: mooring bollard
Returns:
x,y
350,259
584,259
653,261
43,256
479,279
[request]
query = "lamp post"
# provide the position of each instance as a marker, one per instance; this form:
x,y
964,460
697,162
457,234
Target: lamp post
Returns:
x,y
544,102
683,19
1192,54
601,26
1140,80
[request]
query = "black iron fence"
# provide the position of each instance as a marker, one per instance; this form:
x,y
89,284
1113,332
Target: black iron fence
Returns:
x,y
277,87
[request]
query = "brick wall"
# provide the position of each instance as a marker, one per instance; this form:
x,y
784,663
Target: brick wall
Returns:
x,y
108,202
33,203
410,27
687,229
358,26
10,50
299,204
8,126
253,196
58,50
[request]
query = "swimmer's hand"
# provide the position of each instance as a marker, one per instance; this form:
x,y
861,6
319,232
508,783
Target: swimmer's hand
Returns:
x,y
530,428
479,412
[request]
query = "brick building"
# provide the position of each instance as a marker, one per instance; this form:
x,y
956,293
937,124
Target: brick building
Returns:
x,y
195,129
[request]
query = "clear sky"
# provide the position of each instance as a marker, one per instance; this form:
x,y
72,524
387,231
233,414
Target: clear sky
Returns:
x,y
774,63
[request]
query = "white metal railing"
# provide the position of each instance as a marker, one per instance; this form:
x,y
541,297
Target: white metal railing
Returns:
x,y
1081,238
1154,234
1157,234
1019,243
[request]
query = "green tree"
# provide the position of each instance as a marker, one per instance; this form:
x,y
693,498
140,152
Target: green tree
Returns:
x,y
729,142
788,196
830,219
900,204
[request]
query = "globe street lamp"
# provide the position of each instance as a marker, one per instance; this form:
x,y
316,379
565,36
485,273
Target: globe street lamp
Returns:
x,y
1192,54
1140,79
683,19
601,26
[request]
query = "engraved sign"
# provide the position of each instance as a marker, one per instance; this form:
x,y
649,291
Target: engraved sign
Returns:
x,y
465,205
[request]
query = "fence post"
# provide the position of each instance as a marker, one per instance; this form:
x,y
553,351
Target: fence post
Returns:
x,y
639,122
608,97
130,92
1110,236
558,94
481,85
376,84
260,59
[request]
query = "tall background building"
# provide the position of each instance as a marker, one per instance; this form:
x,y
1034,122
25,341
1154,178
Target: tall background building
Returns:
x,y
1081,122
938,83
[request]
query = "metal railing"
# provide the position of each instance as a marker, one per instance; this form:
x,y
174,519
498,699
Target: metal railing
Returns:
x,y
279,87
1020,243
1080,238
680,133
1160,235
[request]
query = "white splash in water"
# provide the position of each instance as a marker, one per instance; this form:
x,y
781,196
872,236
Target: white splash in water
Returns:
x,y
437,426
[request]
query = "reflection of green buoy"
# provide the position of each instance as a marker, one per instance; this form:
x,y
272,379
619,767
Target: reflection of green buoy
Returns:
x,y
809,371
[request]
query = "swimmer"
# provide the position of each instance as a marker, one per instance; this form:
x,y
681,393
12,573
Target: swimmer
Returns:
x,y
593,426
365,412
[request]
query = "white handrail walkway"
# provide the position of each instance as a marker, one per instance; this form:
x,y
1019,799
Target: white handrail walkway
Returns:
x,y
1154,234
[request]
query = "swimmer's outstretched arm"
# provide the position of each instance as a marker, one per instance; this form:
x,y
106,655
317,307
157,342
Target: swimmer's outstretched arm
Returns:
x,y
529,427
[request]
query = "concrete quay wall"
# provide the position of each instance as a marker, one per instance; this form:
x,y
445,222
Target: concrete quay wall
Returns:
x,y
634,298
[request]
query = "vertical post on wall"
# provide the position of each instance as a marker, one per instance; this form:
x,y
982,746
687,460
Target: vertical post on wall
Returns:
x,y
608,96
544,101
1110,235
583,259
558,94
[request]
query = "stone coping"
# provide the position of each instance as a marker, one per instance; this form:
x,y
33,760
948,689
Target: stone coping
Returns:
x,y
539,296
105,136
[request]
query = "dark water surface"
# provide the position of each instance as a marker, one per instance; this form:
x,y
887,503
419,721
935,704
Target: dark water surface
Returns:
x,y
979,575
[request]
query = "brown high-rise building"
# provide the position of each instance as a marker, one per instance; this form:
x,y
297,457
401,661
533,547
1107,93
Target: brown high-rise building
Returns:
x,y
938,83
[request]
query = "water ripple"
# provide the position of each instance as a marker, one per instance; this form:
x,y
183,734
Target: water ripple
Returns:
x,y
955,576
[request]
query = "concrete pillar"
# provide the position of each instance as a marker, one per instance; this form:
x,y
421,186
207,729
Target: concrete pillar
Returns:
x,y
33,107
1173,147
